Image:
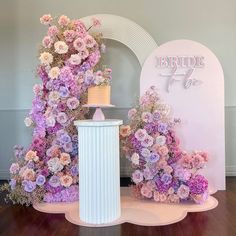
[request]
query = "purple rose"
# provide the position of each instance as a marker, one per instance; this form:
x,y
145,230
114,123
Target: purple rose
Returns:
x,y
40,180
29,186
54,181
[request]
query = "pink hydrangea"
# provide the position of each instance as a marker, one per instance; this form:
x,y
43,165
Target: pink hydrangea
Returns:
x,y
69,35
79,44
47,42
53,31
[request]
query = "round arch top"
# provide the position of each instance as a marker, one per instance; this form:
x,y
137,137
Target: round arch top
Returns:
x,y
126,32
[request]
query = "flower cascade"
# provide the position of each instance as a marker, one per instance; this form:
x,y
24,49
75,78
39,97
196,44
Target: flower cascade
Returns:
x,y
161,170
69,56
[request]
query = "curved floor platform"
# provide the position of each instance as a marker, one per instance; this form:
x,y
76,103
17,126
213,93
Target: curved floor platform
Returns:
x,y
139,212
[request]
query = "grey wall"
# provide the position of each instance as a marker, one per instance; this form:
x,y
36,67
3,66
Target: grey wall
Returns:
x,y
211,22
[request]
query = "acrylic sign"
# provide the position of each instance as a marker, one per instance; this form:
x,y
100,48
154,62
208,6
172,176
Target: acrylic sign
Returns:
x,y
190,79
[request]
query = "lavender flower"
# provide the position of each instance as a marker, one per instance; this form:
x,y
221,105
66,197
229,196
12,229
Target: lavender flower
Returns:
x,y
54,181
198,184
29,186
40,180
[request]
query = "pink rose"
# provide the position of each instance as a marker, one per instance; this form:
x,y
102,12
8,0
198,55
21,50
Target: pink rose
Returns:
x,y
47,42
146,191
53,31
163,150
63,20
96,22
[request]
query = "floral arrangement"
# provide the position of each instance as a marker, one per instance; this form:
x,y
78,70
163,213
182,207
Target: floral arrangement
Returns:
x,y
48,169
161,170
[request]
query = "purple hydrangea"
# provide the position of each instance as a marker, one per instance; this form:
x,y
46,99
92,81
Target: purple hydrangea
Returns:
x,y
74,170
198,184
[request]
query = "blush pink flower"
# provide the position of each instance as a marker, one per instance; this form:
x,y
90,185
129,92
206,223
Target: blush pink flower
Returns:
x,y
65,159
96,22
46,19
69,35
125,130
62,118
53,31
63,20
183,191
148,141
79,44
200,198
132,112
66,180
84,53
147,117
30,155
141,134
146,191
29,174
163,150
137,176
72,103
198,161
47,42
186,161
89,41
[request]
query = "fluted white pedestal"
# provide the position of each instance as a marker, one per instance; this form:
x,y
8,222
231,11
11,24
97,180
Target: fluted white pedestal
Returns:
x,y
99,171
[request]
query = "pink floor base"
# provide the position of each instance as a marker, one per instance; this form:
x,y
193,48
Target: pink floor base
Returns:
x,y
139,212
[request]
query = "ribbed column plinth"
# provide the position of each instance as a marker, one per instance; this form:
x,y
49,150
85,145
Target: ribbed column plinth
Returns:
x,y
99,171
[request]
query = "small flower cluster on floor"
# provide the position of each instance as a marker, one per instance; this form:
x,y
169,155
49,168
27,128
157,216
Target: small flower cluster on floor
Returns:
x,y
161,170
69,57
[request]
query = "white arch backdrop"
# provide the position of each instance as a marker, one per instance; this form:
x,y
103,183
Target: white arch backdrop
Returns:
x,y
127,32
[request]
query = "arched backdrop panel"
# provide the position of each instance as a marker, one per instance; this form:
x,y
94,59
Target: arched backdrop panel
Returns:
x,y
127,32
195,93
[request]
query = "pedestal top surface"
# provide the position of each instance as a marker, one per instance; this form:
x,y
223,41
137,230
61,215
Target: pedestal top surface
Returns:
x,y
100,123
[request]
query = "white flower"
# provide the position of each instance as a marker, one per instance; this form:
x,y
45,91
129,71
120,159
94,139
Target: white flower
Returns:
x,y
54,165
99,79
50,121
161,140
61,47
28,121
54,73
135,158
75,59
46,58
